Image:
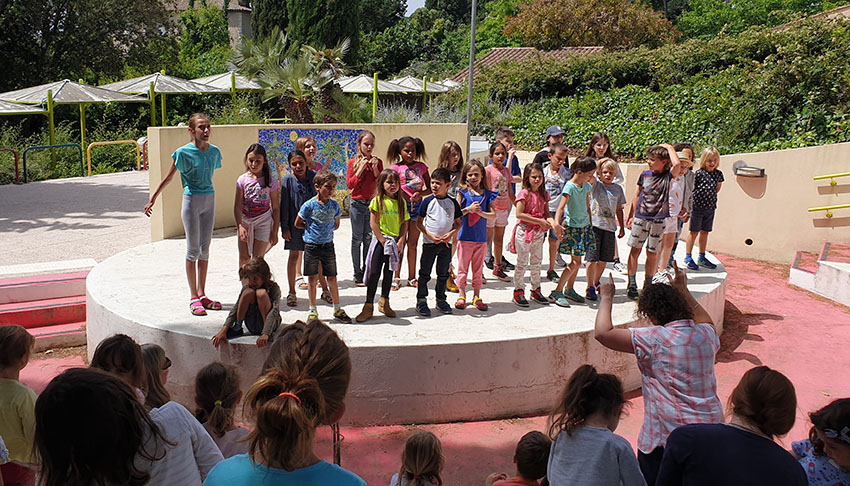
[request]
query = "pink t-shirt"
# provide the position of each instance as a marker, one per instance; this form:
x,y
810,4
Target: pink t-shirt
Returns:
x,y
498,180
412,176
535,204
256,197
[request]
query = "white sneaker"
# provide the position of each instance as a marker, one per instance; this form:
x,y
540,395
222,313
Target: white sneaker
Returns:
x,y
559,262
661,277
618,266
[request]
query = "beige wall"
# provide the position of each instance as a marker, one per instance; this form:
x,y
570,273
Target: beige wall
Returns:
x,y
234,139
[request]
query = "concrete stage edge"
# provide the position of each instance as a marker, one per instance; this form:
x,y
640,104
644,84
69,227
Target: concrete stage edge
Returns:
x,y
468,366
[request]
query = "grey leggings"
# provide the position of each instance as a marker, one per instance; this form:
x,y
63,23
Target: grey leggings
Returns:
x,y
198,221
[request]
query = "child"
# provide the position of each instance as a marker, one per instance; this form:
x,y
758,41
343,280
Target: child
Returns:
x,y
554,136
707,183
531,458
451,158
415,185
825,456
438,221
319,217
648,212
533,221
303,386
307,145
498,179
17,405
575,223
599,148
196,161
686,155
257,205
676,201
217,393
120,356
606,202
363,171
475,200
296,189
505,136
555,176
421,461
585,449
389,220
156,375
258,305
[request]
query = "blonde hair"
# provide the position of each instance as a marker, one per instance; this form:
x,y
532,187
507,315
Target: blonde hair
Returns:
x,y
708,153
446,153
608,163
421,460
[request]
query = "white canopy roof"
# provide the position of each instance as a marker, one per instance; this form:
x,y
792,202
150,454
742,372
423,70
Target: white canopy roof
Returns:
x,y
7,108
364,84
67,92
415,85
223,81
163,83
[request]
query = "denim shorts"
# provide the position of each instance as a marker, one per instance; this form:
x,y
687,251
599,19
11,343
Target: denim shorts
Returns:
x,y
315,254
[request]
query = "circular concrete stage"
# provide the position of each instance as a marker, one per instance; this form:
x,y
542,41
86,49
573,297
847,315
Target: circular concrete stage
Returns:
x,y
466,366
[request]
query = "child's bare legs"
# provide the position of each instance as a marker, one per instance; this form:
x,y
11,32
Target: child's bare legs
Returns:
x,y
703,241
299,266
498,240
634,253
292,269
568,276
553,253
259,251
192,278
651,265
312,280
667,242
594,272
334,288
323,281
249,296
692,238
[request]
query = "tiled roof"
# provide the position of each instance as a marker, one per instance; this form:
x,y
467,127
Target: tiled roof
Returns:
x,y
180,5
519,54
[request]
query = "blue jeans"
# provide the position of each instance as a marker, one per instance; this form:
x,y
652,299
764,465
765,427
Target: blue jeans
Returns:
x,y
361,235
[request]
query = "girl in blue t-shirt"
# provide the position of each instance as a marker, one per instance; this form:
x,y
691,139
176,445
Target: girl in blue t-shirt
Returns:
x,y
474,198
196,161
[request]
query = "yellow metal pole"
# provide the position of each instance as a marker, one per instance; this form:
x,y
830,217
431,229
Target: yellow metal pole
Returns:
x,y
233,87
83,128
50,128
424,92
375,97
152,98
162,98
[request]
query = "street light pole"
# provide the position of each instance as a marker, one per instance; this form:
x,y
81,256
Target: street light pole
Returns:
x,y
469,83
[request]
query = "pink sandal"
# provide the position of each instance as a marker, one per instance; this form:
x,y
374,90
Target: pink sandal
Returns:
x,y
209,303
197,308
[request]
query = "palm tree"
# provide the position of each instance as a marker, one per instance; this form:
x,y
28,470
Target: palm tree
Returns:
x,y
329,68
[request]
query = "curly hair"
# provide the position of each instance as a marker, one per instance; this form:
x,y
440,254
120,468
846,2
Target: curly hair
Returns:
x,y
661,303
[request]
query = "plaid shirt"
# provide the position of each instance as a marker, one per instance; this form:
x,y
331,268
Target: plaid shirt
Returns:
x,y
676,363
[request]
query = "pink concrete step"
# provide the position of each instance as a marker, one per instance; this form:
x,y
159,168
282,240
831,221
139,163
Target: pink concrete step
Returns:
x,y
43,312
39,287
59,336
836,252
806,261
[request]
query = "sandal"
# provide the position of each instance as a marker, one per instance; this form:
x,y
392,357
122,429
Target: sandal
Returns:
x,y
209,303
396,284
460,303
291,300
300,283
479,304
412,282
197,308
327,297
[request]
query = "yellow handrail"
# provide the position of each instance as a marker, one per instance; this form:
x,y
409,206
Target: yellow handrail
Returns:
x,y
831,178
116,142
829,209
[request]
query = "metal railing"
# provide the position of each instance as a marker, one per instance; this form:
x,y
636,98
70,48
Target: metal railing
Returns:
x,y
829,209
16,161
42,147
114,142
831,178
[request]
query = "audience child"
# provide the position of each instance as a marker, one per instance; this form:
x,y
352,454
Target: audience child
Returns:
x,y
585,449
555,174
121,357
319,218
91,429
451,158
4,458
675,356
533,221
363,172
257,307
648,211
825,455
389,219
574,222
421,461
531,458
707,183
303,385
742,451
196,161
606,207
403,154
475,200
439,220
217,393
498,179
686,155
505,136
676,203
600,148
554,136
156,365
307,145
17,406
296,189
257,205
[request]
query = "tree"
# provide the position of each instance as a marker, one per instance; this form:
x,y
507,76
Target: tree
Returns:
x,y
451,10
204,41
491,31
707,18
268,14
323,23
377,15
553,24
328,67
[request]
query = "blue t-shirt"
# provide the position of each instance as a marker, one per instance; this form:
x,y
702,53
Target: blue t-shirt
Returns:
x,y
820,470
240,471
576,215
196,168
438,215
476,231
320,220
515,171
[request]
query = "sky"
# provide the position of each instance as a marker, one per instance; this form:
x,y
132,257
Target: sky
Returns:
x,y
412,5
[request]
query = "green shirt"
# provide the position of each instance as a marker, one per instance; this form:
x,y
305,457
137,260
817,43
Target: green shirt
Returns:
x,y
390,221
576,215
17,419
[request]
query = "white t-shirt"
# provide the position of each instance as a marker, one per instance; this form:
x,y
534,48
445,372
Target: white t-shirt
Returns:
x,y
438,215
593,456
677,195
554,184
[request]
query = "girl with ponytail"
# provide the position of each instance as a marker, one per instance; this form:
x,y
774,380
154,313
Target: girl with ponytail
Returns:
x,y
303,385
585,449
421,461
217,393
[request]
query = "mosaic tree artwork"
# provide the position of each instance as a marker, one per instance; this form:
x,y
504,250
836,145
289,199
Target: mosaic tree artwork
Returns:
x,y
334,148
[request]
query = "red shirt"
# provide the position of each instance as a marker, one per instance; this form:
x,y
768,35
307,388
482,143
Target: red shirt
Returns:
x,y
516,481
362,187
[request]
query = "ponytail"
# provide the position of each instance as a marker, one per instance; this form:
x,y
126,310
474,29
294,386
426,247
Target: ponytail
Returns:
x,y
217,392
587,392
394,149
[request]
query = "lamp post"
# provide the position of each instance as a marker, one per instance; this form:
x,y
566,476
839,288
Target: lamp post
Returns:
x,y
469,83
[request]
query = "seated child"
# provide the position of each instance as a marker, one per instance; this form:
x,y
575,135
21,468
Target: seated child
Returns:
x,y
216,394
531,458
825,455
17,406
258,305
421,461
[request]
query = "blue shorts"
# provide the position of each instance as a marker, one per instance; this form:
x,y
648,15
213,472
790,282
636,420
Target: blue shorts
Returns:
x,y
552,232
413,210
702,220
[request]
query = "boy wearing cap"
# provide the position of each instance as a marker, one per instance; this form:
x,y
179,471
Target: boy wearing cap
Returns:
x,y
554,136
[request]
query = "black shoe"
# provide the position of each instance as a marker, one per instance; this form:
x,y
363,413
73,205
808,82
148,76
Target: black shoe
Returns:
x,y
488,262
519,298
507,265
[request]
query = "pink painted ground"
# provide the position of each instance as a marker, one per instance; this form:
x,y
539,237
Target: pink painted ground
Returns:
x,y
767,322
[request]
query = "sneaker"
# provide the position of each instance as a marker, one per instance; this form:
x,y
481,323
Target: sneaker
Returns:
x,y
422,309
507,265
632,292
359,283
552,276
519,298
559,262
444,307
670,269
312,315
500,274
342,317
591,293
574,296
704,262
618,266
691,264
559,299
488,262
538,297
660,278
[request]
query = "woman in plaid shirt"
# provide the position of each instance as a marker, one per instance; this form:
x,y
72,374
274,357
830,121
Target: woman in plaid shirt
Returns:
x,y
676,360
